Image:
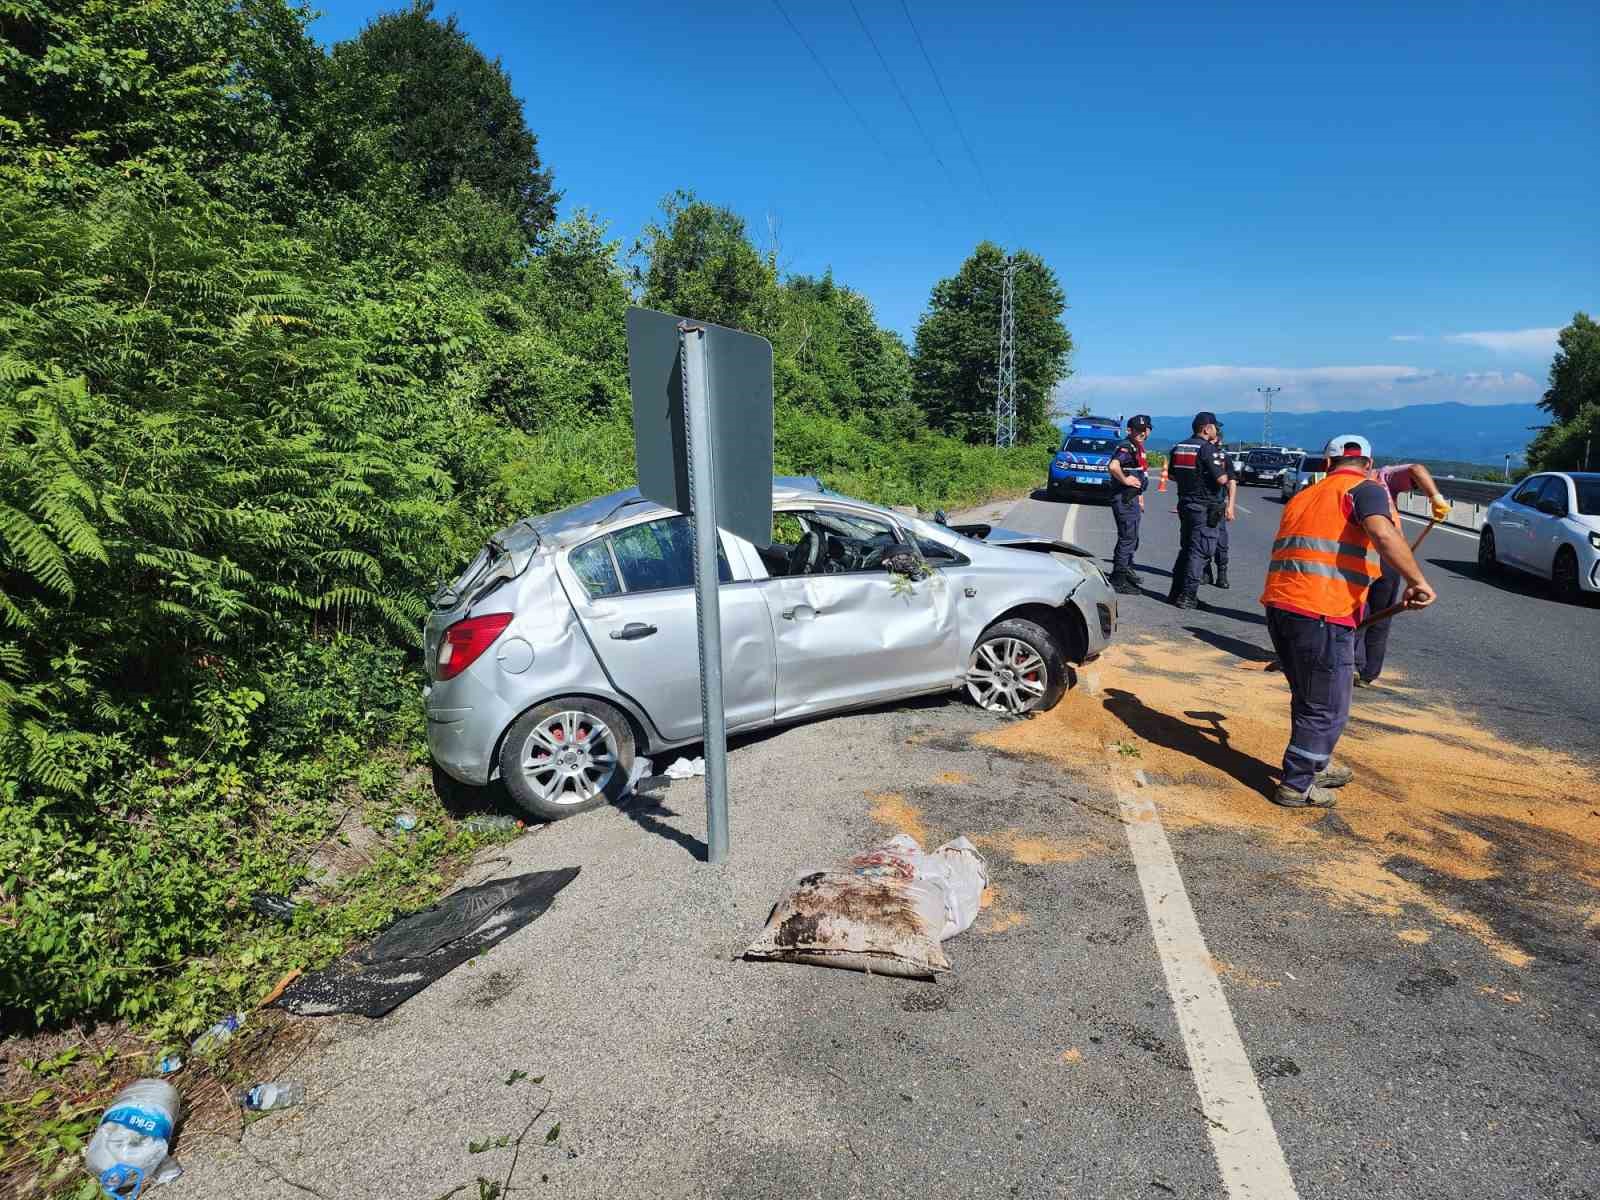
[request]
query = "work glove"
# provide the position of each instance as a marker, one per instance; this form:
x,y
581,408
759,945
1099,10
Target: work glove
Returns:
x,y
1441,508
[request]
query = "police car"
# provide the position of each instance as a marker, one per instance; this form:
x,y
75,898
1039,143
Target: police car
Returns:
x,y
1082,465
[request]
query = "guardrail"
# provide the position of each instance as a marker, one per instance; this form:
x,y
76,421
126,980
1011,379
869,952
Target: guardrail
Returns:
x,y
1480,490
1466,511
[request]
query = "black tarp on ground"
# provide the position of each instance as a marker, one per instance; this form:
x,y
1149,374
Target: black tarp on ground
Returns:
x,y
425,946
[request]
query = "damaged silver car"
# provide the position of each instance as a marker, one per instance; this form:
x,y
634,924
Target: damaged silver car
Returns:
x,y
568,646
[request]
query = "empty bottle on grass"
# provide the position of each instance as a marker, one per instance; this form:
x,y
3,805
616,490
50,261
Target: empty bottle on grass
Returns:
x,y
218,1035
129,1149
264,1097
491,823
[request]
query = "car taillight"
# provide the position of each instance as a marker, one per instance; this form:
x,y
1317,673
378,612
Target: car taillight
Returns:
x,y
466,640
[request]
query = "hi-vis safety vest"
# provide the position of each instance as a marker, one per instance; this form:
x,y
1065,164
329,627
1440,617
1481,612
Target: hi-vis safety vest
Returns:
x,y
1322,561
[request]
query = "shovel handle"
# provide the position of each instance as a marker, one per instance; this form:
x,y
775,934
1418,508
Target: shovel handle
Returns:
x,y
1381,615
1427,529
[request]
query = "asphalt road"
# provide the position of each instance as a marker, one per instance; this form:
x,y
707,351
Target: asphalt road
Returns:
x,y
1422,1031
1526,663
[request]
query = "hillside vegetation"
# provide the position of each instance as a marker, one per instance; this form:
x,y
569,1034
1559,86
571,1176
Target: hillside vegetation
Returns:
x,y
284,333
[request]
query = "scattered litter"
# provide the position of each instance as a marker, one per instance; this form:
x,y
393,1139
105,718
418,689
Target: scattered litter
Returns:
x,y
1140,778
492,823
686,768
406,821
170,1064
218,1035
425,946
264,1097
886,911
129,1148
269,904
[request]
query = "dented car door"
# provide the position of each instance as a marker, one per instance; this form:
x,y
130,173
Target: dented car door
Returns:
x,y
846,631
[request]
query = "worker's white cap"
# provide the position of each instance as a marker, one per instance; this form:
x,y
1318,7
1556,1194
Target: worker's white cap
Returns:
x,y
1349,445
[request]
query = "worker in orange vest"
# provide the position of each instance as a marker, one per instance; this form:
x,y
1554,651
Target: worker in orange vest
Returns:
x,y
1325,558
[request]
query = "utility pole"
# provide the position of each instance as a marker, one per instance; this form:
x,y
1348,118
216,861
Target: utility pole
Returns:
x,y
1005,399
1266,413
1508,465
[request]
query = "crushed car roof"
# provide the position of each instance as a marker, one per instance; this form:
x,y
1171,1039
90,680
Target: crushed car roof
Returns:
x,y
568,526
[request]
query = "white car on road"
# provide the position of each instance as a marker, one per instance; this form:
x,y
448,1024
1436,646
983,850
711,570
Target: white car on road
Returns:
x,y
1549,526
1301,474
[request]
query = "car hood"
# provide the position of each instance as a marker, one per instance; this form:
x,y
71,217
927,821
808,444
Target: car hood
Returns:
x,y
1014,539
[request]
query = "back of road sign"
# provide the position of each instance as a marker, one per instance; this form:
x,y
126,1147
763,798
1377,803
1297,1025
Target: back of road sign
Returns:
x,y
739,382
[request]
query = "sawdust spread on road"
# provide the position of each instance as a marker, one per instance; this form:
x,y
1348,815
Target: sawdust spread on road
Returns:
x,y
1434,795
898,813
1037,849
952,778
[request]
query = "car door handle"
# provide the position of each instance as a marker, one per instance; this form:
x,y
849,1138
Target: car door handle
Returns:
x,y
632,632
800,612
969,593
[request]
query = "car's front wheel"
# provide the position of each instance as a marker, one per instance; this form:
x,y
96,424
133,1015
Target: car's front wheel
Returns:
x,y
566,756
1017,667
1564,576
1488,564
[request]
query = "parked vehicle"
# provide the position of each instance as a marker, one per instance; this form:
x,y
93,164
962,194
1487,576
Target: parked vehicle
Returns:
x,y
1307,469
1265,466
1549,526
569,645
1083,464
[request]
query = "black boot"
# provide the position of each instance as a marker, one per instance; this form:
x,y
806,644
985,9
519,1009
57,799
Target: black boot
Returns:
x,y
1222,577
1124,584
1187,600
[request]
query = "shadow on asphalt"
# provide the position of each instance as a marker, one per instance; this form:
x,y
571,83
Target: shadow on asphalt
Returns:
x,y
644,810
1206,742
1237,647
1504,580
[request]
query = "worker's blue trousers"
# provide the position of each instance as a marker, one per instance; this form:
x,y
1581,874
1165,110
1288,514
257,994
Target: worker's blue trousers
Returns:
x,y
1319,661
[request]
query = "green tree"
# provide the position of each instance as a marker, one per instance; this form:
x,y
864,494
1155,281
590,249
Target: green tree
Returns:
x,y
700,263
1573,399
957,347
450,113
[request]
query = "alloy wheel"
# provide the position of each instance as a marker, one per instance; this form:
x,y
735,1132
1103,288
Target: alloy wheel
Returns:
x,y
1006,675
570,757
1565,575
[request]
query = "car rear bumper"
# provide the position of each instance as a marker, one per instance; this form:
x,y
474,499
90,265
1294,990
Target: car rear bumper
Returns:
x,y
465,721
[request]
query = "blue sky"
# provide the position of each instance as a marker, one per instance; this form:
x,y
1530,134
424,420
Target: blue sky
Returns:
x,y
1366,205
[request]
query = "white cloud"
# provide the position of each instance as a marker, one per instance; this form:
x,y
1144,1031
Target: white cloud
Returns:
x,y
1534,342
1304,389
1407,337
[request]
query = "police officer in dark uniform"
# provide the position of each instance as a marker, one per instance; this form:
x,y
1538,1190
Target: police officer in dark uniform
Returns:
x,y
1205,492
1129,479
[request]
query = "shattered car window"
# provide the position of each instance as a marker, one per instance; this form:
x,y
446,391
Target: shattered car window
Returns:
x,y
659,555
592,565
850,543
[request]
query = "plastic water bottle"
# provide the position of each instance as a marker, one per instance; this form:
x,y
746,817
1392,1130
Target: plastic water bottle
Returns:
x,y
218,1035
491,823
129,1149
263,1097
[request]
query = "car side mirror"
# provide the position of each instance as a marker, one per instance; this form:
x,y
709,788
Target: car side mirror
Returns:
x,y
940,517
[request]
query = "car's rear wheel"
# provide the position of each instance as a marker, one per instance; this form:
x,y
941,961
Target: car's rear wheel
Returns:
x,y
1017,667
567,756
1564,576
1487,562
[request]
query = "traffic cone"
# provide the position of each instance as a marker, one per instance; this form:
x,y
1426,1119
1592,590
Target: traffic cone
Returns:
x,y
1163,485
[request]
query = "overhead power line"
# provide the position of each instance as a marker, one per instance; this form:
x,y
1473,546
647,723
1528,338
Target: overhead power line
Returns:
x,y
951,109
828,75
904,99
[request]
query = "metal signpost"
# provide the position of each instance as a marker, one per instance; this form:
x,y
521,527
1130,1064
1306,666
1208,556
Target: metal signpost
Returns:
x,y
702,435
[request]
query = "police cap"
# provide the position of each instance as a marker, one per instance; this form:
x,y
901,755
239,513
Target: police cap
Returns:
x,y
1139,424
1202,419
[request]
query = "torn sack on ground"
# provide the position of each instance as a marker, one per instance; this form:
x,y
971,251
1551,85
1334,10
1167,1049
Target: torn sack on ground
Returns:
x,y
425,946
885,911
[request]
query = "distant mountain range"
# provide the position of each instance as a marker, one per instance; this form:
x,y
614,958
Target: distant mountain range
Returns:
x,y
1465,433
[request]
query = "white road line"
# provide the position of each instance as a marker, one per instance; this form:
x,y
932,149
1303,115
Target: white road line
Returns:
x,y
1249,1158
1443,528
1068,523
